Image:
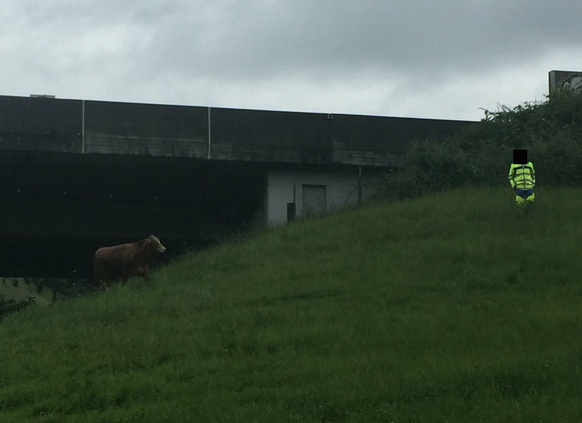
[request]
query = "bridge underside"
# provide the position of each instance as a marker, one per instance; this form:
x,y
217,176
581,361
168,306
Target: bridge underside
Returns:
x,y
56,209
79,174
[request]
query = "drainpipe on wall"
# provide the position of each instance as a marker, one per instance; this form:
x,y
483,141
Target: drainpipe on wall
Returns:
x,y
292,207
360,185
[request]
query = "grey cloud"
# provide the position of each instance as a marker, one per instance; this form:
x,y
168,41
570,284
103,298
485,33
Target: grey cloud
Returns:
x,y
322,44
342,38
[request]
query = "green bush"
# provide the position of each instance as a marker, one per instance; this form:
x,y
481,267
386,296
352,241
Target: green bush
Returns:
x,y
13,306
480,153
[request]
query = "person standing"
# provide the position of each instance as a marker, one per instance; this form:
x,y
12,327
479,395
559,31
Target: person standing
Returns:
x,y
522,178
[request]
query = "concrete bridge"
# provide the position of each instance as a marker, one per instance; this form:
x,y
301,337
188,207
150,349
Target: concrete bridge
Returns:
x,y
79,174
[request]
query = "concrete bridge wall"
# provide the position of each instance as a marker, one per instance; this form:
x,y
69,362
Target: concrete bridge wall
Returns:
x,y
79,126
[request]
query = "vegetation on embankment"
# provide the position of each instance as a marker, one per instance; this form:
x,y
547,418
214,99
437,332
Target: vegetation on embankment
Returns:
x,y
451,307
480,153
17,294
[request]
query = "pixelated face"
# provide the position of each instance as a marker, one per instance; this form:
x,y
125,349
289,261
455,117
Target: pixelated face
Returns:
x,y
519,156
155,241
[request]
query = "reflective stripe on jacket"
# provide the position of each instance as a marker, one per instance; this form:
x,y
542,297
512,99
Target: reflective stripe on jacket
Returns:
x,y
522,176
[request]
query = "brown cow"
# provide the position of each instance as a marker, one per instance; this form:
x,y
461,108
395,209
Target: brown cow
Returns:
x,y
125,260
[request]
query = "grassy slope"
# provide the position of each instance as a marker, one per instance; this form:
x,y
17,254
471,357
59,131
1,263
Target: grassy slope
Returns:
x,y
449,308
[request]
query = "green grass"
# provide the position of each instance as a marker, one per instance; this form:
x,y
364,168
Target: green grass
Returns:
x,y
449,308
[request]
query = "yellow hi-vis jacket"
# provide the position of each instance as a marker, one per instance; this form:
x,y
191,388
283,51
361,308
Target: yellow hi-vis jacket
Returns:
x,y
522,176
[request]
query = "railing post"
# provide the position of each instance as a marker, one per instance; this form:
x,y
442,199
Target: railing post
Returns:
x,y
209,135
82,126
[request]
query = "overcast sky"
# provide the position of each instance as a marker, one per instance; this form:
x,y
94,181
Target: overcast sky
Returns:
x,y
416,58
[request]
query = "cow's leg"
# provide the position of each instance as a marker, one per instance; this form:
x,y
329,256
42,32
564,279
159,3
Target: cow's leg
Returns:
x,y
142,271
104,286
125,274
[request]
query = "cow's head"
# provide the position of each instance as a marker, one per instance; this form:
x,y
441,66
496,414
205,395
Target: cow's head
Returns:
x,y
154,241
